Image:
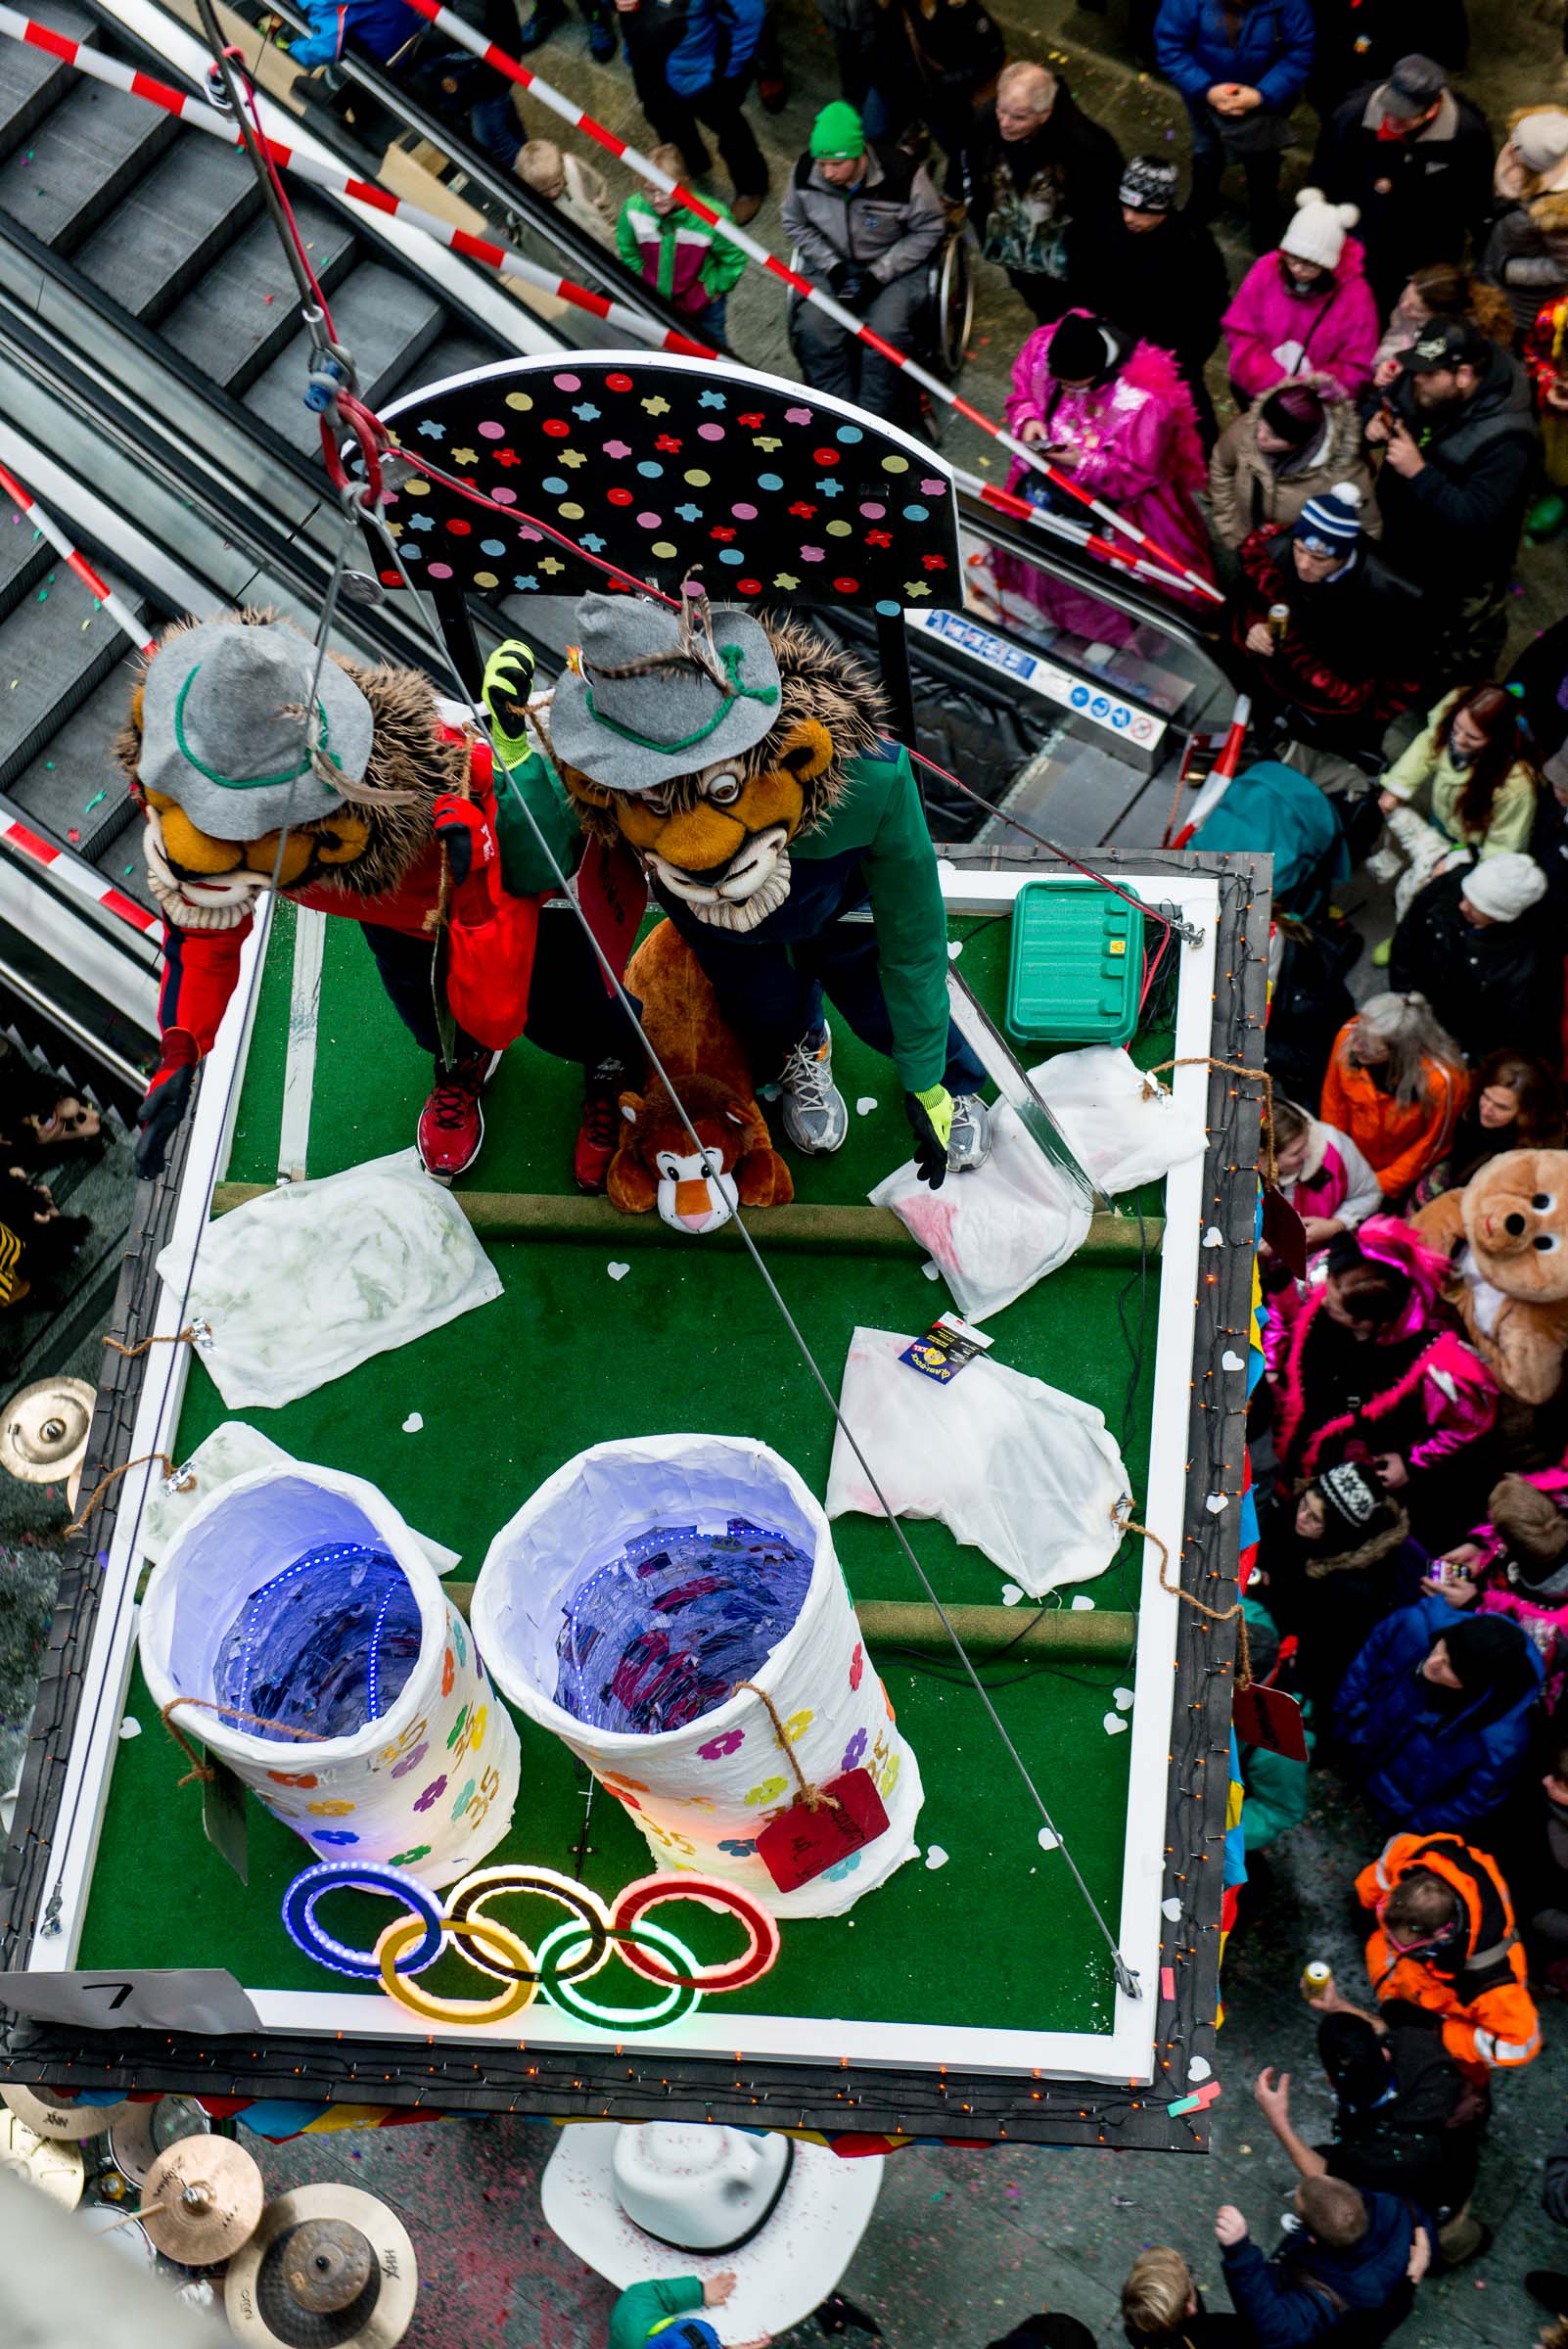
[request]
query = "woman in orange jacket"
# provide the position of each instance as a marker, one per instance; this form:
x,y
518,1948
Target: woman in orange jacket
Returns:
x,y
1395,1083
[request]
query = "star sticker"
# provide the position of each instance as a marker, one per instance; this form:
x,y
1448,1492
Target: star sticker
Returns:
x,y
525,583
802,511
658,406
573,457
506,456
394,529
830,487
934,561
421,522
689,512
752,422
763,442
707,399
594,544
549,563
879,537
585,411
465,457
783,579
669,442
430,430
719,531
914,587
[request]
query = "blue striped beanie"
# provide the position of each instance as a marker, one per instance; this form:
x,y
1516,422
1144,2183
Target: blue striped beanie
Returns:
x,y
1331,522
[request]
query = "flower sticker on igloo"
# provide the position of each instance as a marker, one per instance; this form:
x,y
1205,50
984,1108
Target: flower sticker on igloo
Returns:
x,y
287,1777
768,1792
890,1776
729,1741
458,1729
431,1796
463,1800
858,1665
738,1850
842,1869
333,1809
449,1673
400,1769
334,1835
853,1750
797,1723
420,1851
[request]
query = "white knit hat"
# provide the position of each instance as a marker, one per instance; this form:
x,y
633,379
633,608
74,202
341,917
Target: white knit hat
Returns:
x,y
1540,140
1317,232
1505,887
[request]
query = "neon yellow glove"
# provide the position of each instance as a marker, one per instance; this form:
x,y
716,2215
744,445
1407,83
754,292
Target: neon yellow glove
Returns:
x,y
508,683
930,1116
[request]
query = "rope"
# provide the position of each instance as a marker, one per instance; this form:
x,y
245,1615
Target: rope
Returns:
x,y
812,1796
102,1487
1231,1068
204,1770
1236,1614
1127,1979
189,1335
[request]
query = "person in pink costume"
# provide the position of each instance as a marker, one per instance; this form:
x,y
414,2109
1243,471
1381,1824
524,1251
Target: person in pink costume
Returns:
x,y
1306,309
1369,1370
1324,1177
1116,416
1516,1563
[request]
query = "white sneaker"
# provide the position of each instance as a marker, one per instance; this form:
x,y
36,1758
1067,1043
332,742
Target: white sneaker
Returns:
x,y
969,1143
816,1117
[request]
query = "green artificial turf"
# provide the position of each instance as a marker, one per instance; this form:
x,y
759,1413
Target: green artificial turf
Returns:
x,y
687,1340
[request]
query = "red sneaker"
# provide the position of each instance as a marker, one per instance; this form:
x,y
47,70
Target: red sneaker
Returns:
x,y
451,1123
599,1134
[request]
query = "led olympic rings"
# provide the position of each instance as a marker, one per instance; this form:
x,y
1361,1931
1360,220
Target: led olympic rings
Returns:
x,y
571,1953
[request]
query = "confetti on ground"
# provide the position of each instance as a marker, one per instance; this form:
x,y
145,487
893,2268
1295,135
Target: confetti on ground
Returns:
x,y
130,1726
955,946
1168,1982
1048,1841
1172,1908
73,834
1114,1726
936,1856
1123,1699
1217,1502
1199,2068
866,1105
1012,1594
1231,1360
413,1423
617,1272
1214,1237
96,801
1083,1604
931,1270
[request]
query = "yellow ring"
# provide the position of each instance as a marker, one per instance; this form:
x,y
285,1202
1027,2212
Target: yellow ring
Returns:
x,y
398,1939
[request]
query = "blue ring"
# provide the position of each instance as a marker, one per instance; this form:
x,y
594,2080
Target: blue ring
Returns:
x,y
331,1875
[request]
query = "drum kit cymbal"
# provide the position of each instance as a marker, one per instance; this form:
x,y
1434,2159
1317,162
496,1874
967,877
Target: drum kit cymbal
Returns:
x,y
324,2267
43,1432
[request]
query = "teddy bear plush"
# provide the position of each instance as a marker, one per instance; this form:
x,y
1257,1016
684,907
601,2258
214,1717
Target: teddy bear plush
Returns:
x,y
656,1165
1506,1235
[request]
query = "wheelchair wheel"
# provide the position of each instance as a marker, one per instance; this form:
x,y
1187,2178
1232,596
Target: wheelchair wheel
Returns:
x,y
951,303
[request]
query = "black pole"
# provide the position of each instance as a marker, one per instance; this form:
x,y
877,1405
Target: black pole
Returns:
x,y
456,624
893,649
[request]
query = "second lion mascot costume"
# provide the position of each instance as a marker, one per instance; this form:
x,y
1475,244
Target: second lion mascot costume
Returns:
x,y
356,813
745,766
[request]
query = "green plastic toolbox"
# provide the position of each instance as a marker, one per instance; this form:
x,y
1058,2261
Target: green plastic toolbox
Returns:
x,y
1076,963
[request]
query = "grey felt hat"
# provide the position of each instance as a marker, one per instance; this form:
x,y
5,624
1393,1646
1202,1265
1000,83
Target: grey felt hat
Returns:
x,y
705,687
223,731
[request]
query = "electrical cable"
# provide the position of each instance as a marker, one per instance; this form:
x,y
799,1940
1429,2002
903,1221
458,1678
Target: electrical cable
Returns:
x,y
1127,1979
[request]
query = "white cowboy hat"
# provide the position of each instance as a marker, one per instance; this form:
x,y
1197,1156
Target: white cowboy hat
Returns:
x,y
679,2198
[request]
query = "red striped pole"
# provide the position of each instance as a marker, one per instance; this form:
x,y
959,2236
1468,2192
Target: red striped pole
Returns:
x,y
79,877
1221,775
121,614
467,39
492,253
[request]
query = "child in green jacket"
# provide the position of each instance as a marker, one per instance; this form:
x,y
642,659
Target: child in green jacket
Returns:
x,y
676,253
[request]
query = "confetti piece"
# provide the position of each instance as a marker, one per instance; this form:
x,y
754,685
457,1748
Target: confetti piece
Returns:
x,y
129,869
130,1726
931,1270
73,834
413,1423
936,1856
1168,1982
1172,1908
1123,1699
97,801
1012,1594
617,1272
1214,1237
1199,2068
1231,1360
1048,1841
49,762
1217,1504
1083,1604
866,1105
1114,1726
955,946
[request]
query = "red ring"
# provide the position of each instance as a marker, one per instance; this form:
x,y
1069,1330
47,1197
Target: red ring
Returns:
x,y
649,1891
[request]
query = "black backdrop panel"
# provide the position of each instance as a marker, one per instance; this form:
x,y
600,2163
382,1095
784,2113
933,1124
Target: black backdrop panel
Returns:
x,y
769,492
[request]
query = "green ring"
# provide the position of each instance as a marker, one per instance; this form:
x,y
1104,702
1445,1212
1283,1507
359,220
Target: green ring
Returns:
x,y
676,2003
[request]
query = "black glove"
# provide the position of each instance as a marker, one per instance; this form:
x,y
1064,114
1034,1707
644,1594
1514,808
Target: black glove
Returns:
x,y
847,285
168,1098
508,683
930,1147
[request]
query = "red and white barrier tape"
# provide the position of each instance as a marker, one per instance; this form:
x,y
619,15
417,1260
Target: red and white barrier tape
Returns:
x,y
483,250
79,877
467,39
121,614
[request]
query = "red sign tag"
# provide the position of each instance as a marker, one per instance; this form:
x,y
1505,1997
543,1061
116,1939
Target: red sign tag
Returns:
x,y
1282,1229
801,1843
1269,1717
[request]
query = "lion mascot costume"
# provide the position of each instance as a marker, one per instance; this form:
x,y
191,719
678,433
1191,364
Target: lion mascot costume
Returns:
x,y
379,808
745,764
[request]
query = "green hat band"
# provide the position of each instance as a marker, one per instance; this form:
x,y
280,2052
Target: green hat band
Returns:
x,y
289,775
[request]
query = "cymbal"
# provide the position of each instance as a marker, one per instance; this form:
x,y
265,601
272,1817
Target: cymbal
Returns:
x,y
57,2170
201,2200
148,2130
69,2121
328,2268
43,1430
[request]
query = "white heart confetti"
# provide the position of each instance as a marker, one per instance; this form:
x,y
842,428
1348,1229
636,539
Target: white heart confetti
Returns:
x,y
936,1856
1047,1839
1114,1726
130,1728
413,1423
1170,1909
930,1268
1231,1360
1083,1605
1217,1502
617,1272
1123,1699
954,948
1214,1237
866,1105
1012,1594
1199,2068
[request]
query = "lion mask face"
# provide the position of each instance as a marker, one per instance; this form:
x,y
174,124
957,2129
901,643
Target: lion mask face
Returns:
x,y
695,1191
1516,1221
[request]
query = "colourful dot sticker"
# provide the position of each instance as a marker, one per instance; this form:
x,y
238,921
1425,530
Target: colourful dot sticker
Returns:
x,y
619,498
650,521
838,530
744,513
698,478
557,427
709,432
520,401
770,480
503,496
650,472
556,484
492,432
485,578
440,571
665,549
618,382
916,514
750,586
569,383
894,464
846,586
730,554
848,434
493,546
569,512
888,611
824,456
872,511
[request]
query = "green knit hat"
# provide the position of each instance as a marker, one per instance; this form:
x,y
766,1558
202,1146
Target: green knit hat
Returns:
x,y
838,135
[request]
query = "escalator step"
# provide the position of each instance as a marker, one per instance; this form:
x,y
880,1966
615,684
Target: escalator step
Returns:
x,y
171,228
98,144
31,82
49,665
25,561
121,862
56,787
234,323
388,321
456,353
